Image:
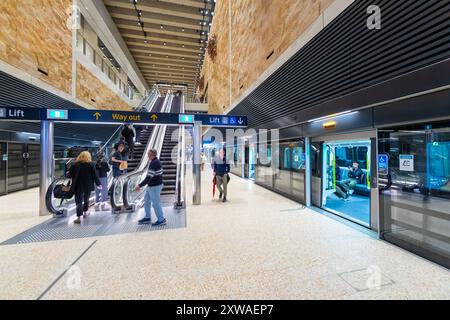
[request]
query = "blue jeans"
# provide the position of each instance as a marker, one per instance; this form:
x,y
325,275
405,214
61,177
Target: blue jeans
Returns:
x,y
153,197
104,192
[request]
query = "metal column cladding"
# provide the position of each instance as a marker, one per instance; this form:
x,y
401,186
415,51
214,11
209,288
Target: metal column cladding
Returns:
x,y
47,168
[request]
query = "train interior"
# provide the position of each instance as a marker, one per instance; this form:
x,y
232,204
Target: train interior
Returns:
x,y
346,179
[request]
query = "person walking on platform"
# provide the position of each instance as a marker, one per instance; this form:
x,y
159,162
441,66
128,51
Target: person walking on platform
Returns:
x,y
154,181
221,168
117,159
102,169
83,177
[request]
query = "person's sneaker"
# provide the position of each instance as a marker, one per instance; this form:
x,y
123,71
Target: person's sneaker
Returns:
x,y
145,221
160,223
86,214
220,195
77,220
224,199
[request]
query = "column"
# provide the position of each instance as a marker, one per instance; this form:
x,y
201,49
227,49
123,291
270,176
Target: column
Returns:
x,y
196,170
47,166
308,172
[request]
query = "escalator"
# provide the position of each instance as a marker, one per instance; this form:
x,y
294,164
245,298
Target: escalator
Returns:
x,y
144,138
152,103
169,167
168,142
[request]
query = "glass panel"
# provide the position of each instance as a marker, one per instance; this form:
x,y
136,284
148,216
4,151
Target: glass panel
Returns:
x,y
33,165
16,167
415,188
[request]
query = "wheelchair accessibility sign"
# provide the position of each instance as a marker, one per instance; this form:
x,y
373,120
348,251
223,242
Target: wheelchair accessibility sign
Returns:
x,y
383,164
406,162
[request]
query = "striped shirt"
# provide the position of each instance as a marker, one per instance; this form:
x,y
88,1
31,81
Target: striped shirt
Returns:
x,y
154,175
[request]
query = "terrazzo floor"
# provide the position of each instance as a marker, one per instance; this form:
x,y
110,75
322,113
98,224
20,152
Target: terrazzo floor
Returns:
x,y
258,245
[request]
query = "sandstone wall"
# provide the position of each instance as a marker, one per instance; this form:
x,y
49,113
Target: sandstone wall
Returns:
x,y
92,91
258,27
33,34
36,34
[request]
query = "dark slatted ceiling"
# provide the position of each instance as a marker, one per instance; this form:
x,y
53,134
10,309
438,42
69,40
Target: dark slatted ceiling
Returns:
x,y
347,56
18,93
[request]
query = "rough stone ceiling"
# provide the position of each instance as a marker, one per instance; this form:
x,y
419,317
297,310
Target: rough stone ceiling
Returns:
x,y
170,45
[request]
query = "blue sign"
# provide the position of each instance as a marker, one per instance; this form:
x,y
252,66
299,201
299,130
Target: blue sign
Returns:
x,y
383,164
112,116
13,113
186,118
221,120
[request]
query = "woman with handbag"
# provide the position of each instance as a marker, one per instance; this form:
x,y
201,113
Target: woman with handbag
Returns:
x,y
83,175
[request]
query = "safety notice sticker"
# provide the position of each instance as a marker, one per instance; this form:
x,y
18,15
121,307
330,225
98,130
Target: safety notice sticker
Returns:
x,y
406,162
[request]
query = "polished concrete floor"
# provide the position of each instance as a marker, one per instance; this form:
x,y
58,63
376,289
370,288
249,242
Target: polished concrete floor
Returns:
x,y
259,245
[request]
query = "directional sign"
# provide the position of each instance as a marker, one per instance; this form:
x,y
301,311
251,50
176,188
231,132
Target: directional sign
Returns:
x,y
383,164
112,116
221,120
12,113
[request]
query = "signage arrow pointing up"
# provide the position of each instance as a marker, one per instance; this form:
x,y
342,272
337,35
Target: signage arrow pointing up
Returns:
x,y
154,117
97,115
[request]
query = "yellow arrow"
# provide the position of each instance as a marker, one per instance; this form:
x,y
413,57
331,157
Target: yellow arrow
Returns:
x,y
97,115
154,117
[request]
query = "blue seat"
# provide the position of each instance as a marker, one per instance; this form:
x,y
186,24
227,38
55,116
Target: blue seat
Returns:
x,y
361,186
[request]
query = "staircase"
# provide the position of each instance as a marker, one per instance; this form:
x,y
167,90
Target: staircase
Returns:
x,y
139,149
169,168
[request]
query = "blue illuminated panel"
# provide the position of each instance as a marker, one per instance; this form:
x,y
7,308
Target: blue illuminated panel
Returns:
x,y
186,118
57,114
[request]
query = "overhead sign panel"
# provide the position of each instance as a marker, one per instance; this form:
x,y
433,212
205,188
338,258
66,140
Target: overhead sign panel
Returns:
x,y
13,113
111,116
221,120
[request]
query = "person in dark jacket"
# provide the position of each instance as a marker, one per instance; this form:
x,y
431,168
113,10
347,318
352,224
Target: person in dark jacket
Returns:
x,y
117,159
154,181
102,169
83,177
128,134
221,169
354,177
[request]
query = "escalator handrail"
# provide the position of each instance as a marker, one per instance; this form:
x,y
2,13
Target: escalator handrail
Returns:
x,y
143,165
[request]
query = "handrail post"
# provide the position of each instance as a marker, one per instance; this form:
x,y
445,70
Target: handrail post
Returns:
x,y
197,142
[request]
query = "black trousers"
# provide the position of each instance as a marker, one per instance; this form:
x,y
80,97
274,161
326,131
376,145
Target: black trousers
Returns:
x,y
82,201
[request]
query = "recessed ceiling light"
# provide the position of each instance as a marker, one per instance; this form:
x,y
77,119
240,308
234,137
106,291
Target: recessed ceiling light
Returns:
x,y
162,27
